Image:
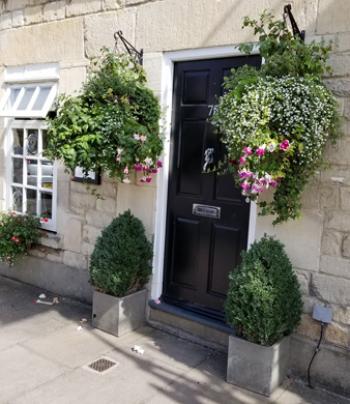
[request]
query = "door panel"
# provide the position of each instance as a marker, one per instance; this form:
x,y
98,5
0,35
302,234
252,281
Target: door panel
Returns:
x,y
190,157
225,249
184,267
201,250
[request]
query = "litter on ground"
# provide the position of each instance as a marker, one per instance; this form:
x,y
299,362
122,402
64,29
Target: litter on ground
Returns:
x,y
138,349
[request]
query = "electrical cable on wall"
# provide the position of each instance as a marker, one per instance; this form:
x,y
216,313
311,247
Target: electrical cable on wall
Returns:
x,y
317,350
323,315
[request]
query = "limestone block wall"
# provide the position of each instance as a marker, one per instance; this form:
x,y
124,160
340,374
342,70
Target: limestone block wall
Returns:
x,y
71,32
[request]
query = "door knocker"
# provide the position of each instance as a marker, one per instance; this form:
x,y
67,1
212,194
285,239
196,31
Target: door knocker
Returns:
x,y
208,158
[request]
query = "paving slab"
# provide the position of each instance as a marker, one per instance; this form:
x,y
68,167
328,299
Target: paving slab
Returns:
x,y
22,370
44,356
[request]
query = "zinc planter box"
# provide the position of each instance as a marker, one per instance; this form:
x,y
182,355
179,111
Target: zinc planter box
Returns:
x,y
118,315
255,367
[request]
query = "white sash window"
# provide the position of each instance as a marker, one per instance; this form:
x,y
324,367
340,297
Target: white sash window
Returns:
x,y
31,178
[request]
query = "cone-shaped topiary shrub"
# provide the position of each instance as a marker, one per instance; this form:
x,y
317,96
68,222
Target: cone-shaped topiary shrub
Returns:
x,y
264,301
121,261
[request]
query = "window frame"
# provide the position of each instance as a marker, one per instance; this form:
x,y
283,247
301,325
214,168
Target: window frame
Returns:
x,y
28,112
26,125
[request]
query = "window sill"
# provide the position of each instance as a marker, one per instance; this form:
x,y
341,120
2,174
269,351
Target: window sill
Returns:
x,y
50,240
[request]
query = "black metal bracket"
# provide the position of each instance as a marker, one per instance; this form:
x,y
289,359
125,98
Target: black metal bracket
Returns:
x,y
132,51
287,12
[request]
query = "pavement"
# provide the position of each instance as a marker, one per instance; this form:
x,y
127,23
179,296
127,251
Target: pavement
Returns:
x,y
45,351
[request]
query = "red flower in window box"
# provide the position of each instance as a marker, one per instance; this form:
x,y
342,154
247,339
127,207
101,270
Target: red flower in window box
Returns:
x,y
15,239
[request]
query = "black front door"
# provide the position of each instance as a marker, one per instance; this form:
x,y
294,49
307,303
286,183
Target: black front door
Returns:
x,y
207,219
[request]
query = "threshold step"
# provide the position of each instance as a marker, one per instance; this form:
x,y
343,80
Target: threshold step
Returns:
x,y
190,326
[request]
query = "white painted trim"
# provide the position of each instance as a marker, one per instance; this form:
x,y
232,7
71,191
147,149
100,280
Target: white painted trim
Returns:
x,y
32,73
167,75
40,125
28,112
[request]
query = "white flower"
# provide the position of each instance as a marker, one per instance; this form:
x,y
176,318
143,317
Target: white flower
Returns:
x,y
271,147
136,136
148,161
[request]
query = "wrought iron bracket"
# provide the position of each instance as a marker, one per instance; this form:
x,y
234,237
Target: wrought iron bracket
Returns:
x,y
287,12
132,51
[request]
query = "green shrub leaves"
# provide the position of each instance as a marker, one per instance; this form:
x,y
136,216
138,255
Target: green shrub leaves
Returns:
x,y
17,235
264,301
121,261
112,125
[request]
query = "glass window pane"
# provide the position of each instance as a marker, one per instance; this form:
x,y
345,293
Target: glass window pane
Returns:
x,y
44,132
17,173
41,99
17,198
46,205
32,172
14,92
17,141
47,174
32,142
31,202
27,96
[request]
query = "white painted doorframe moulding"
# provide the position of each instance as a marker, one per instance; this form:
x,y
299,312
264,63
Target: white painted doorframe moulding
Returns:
x,y
167,76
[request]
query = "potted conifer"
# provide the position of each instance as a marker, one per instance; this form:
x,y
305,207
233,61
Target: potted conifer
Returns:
x,y
120,267
263,306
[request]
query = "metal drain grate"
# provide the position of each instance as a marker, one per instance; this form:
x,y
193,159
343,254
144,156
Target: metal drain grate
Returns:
x,y
102,365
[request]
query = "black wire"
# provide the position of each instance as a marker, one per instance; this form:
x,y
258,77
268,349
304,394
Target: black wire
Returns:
x,y
317,350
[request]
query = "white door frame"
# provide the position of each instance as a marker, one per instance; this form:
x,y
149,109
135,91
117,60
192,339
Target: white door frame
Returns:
x,y
167,78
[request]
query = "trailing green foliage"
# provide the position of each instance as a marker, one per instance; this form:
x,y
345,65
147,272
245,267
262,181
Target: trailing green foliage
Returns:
x,y
121,261
17,234
275,122
264,300
112,125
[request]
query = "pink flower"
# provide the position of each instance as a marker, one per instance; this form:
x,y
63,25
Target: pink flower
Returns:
x,y
126,170
15,239
44,219
247,150
154,170
242,161
138,167
245,186
245,174
273,183
146,179
262,181
284,145
143,138
159,164
256,189
260,151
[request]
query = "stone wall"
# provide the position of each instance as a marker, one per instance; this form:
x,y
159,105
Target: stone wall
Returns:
x,y
70,32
